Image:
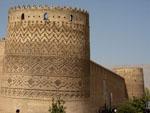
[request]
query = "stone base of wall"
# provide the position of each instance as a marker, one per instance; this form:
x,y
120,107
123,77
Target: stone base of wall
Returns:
x,y
9,105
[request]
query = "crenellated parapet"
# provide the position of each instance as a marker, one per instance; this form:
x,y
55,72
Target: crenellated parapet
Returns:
x,y
43,14
48,7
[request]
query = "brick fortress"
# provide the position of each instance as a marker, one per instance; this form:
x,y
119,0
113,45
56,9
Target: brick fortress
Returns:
x,y
46,54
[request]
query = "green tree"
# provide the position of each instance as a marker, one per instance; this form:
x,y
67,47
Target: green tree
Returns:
x,y
136,105
147,94
139,103
57,106
126,107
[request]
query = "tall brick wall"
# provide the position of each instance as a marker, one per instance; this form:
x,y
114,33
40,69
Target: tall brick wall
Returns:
x,y
46,55
2,49
106,87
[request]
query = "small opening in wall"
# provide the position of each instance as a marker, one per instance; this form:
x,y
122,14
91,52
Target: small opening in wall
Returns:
x,y
45,16
22,16
18,111
71,17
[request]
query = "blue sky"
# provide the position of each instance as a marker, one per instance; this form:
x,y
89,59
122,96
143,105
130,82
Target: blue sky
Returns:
x,y
119,29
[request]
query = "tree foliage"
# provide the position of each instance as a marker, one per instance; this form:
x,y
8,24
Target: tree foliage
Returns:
x,y
57,106
126,108
136,105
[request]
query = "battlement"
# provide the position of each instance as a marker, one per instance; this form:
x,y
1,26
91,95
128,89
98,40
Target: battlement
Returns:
x,y
46,13
128,68
48,7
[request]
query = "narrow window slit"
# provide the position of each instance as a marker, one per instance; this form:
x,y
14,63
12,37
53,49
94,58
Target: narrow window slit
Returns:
x,y
45,16
22,16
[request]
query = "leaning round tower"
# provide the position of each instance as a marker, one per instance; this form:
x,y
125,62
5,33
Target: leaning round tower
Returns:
x,y
134,80
46,56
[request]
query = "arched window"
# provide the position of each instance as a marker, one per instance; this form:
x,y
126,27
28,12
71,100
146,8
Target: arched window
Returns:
x,y
22,16
45,16
71,17
17,111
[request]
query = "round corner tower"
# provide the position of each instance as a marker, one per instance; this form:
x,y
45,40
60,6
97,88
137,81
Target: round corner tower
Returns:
x,y
46,55
133,79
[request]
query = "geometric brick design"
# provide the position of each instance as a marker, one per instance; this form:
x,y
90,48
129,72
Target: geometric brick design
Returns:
x,y
45,58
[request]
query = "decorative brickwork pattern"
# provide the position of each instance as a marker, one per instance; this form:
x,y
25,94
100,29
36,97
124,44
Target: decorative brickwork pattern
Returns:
x,y
46,58
49,38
